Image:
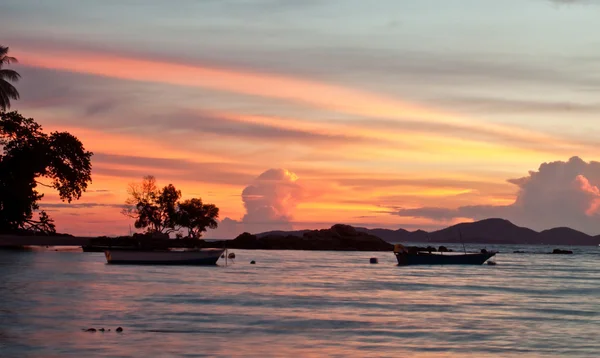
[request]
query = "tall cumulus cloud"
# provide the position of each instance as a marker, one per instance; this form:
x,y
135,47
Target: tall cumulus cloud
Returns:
x,y
557,194
270,201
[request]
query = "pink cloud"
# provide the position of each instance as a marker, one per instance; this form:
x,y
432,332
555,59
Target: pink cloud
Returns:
x,y
270,201
557,194
593,193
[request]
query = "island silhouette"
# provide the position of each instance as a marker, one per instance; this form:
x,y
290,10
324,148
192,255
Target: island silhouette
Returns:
x,y
339,237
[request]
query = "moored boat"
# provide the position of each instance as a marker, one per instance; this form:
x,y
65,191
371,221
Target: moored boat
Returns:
x,y
412,257
167,257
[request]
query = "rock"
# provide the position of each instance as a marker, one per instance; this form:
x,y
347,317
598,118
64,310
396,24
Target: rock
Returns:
x,y
119,329
373,260
491,263
562,252
344,230
443,249
338,237
90,330
101,329
231,255
252,262
518,252
483,251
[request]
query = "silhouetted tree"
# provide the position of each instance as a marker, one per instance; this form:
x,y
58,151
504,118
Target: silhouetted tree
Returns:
x,y
152,208
196,217
7,90
29,155
159,210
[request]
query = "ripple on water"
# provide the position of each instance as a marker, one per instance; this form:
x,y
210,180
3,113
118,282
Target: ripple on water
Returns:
x,y
294,303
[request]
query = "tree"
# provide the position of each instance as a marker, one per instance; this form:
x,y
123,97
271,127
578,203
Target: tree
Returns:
x,y
196,217
152,208
30,155
159,210
7,90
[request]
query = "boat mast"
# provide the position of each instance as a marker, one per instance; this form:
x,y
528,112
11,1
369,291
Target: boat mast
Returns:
x,y
461,241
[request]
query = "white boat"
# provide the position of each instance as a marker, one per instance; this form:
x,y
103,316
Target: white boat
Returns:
x,y
187,257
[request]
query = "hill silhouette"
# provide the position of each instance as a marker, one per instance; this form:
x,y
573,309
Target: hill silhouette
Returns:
x,y
338,237
488,231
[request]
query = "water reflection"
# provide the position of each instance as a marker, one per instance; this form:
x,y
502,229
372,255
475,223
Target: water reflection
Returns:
x,y
299,304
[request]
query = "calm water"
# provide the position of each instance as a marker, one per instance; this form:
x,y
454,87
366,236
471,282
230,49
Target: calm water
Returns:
x,y
294,303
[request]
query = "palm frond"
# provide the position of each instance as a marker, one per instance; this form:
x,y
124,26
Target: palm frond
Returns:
x,y
4,102
4,58
10,75
7,92
8,59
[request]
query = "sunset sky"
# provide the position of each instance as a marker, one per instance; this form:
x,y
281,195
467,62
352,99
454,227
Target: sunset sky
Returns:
x,y
303,114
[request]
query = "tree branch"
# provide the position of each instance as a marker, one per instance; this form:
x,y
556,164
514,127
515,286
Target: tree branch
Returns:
x,y
42,184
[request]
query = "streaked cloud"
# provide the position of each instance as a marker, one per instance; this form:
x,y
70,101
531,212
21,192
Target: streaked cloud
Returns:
x,y
345,100
380,108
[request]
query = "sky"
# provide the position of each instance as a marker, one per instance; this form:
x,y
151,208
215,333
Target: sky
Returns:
x,y
301,114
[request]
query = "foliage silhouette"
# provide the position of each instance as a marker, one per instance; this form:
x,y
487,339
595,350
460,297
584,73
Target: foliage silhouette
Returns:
x,y
196,216
29,155
159,210
7,90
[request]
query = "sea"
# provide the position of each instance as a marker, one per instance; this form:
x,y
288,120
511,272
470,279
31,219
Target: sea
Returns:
x,y
302,304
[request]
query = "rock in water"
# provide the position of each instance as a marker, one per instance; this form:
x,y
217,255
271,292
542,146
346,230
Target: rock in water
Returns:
x,y
91,330
562,252
373,260
252,262
119,329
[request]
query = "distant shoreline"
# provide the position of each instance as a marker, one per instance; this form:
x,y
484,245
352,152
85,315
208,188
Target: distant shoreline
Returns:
x,y
339,237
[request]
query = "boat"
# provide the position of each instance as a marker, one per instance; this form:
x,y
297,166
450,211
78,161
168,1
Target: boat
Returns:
x,y
164,257
407,256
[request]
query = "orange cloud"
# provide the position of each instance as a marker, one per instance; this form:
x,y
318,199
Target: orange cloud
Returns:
x,y
592,191
322,95
377,155
396,143
116,143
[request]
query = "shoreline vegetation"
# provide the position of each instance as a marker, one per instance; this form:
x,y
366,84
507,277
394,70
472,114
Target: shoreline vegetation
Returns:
x,y
337,238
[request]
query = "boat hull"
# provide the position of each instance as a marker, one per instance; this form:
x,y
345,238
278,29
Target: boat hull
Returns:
x,y
199,257
425,258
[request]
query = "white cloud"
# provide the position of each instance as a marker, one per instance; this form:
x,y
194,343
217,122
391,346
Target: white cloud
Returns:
x,y
270,201
557,194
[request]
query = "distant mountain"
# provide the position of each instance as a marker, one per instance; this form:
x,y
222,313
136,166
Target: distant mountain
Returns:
x,y
558,234
386,234
488,231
